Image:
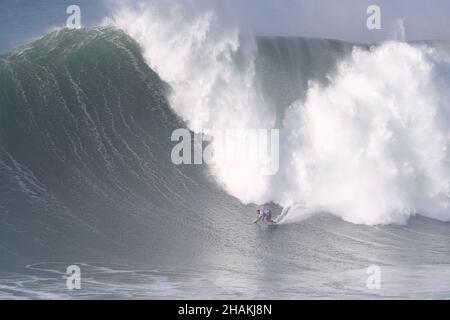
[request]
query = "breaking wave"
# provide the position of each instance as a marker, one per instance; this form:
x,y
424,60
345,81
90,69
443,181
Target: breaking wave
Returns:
x,y
364,130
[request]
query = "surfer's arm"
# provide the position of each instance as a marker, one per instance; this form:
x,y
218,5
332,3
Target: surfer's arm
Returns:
x,y
257,220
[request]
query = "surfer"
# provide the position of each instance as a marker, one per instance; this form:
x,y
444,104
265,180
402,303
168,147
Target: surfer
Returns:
x,y
264,214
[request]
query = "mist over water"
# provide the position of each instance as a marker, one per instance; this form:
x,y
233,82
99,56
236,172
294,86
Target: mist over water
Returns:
x,y
367,142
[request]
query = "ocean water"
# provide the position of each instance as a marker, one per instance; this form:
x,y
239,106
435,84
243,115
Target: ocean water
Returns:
x,y
87,179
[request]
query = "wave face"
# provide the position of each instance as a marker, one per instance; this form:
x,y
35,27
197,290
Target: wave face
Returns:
x,y
364,130
85,148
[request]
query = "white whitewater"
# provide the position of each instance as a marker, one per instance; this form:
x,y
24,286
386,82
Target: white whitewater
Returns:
x,y
371,146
